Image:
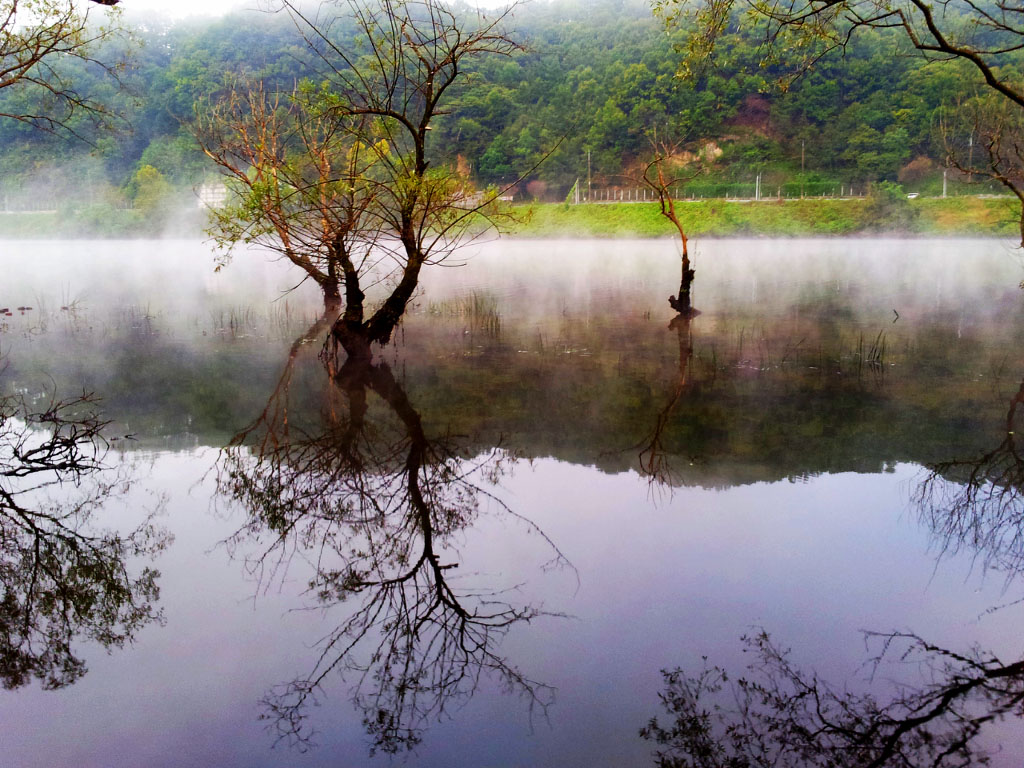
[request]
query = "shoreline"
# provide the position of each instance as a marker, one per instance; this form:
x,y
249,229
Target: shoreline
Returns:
x,y
811,217
970,217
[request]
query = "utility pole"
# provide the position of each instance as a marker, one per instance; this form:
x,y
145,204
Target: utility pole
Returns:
x,y
802,142
588,174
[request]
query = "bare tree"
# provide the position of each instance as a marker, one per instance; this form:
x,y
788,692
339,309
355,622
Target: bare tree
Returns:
x,y
415,56
656,177
373,504
62,578
303,178
36,37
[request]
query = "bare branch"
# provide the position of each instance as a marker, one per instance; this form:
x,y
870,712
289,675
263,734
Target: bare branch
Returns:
x,y
373,506
38,39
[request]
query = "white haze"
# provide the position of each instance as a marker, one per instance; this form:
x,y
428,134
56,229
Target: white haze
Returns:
x,y
186,8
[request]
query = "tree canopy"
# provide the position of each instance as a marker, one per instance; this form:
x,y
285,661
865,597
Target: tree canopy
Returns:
x,y
590,85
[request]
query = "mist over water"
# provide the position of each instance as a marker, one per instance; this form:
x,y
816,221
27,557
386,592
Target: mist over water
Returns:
x,y
825,377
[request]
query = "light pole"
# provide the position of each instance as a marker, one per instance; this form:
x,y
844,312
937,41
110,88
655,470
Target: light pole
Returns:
x,y
588,174
802,142
970,158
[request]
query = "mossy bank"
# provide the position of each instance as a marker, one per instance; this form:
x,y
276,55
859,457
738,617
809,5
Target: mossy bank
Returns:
x,y
976,216
101,222
954,216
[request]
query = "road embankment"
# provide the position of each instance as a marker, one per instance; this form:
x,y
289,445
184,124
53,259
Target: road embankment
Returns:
x,y
811,217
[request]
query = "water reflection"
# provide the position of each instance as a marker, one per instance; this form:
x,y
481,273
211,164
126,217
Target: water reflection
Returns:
x,y
786,380
655,461
778,714
556,353
795,396
936,704
375,505
64,579
977,503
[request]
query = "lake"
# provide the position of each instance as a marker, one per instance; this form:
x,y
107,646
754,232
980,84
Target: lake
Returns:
x,y
485,549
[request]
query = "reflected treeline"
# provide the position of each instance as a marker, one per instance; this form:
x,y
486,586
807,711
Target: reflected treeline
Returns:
x,y
64,579
757,385
817,388
934,713
373,504
939,703
978,504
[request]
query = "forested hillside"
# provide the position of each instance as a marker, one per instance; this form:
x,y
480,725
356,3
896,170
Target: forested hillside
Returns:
x,y
596,78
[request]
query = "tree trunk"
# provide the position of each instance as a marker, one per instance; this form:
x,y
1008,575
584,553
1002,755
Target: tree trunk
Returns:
x,y
683,304
353,339
332,296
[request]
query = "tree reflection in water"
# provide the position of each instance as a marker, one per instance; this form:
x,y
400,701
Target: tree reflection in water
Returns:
x,y
781,715
978,504
63,579
373,503
654,460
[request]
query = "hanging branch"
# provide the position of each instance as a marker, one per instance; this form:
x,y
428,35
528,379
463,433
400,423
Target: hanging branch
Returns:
x,y
37,39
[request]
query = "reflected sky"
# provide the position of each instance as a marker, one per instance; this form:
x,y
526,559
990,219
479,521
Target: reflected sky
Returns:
x,y
562,353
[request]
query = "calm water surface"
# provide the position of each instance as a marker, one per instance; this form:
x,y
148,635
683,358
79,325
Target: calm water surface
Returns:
x,y
610,494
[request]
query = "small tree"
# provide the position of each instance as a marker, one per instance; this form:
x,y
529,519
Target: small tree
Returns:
x,y
151,193
342,175
888,209
656,176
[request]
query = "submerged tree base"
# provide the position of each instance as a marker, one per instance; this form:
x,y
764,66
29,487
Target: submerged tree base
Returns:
x,y
683,305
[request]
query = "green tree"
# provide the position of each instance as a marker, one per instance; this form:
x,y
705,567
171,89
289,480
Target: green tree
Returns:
x,y
342,177
151,193
986,39
888,210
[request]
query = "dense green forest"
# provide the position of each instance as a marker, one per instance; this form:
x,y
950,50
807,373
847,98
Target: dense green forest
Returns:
x,y
594,81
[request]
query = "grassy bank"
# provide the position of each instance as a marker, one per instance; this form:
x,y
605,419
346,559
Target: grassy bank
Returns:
x,y
809,217
99,222
996,217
